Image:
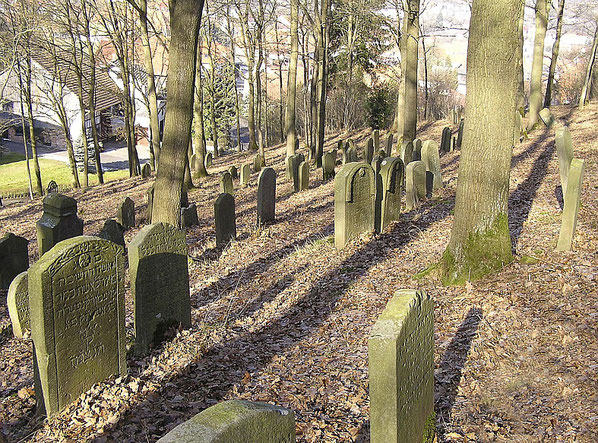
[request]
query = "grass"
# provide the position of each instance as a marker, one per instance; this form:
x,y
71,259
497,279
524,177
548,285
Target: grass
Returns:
x,y
13,174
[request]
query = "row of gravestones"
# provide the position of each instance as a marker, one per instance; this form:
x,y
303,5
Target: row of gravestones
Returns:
x,y
401,387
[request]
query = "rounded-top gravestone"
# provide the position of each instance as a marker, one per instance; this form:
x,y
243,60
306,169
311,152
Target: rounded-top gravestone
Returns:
x,y
266,196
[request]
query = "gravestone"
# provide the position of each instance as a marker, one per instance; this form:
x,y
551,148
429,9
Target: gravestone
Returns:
x,y
328,163
382,153
226,183
344,154
546,117
417,150
233,172
225,219
18,305
303,176
389,143
415,184
159,283
52,187
59,222
392,173
266,196
401,370
406,152
571,208
146,170
445,141
149,198
77,311
208,160
564,150
369,151
518,127
431,159
258,163
376,137
454,144
429,184
189,216
245,174
376,162
113,231
14,258
193,162
354,202
125,213
236,421
352,155
460,134
292,169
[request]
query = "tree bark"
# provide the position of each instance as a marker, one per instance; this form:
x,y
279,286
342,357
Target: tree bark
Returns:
x,y
480,241
407,124
290,130
583,98
520,85
535,84
322,33
555,54
199,136
29,106
234,64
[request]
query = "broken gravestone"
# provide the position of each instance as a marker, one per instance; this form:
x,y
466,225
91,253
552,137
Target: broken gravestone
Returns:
x,y
125,213
564,150
59,222
431,159
392,173
415,184
189,216
113,231
226,183
571,208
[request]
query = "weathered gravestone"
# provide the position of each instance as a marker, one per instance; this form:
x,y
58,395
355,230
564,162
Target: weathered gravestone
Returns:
x,y
352,155
292,169
14,258
193,161
417,150
233,172
189,216
303,176
415,184
564,150
392,173
125,214
236,421
445,140
429,184
266,196
113,231
382,153
376,137
354,202
208,160
401,370
376,162
258,163
59,222
328,163
454,144
344,153
389,143
18,305
159,283
77,308
546,117
431,159
245,174
146,170
460,134
52,187
369,150
226,183
406,152
571,208
225,219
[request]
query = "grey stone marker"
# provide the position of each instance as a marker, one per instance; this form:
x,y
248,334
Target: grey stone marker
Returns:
x,y
208,160
392,173
77,308
406,152
159,283
266,196
225,219
245,174
389,143
14,258
460,134
445,141
369,150
236,421
546,117
125,214
258,163
376,162
233,172
292,169
564,150
189,216
376,137
571,207
415,184
401,370
226,183
18,305
417,150
303,176
429,184
59,222
113,231
328,164
146,170
431,159
354,202
351,155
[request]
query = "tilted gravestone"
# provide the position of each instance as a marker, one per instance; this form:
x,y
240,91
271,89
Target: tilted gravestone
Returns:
x,y
445,140
245,174
571,208
389,143
460,134
401,370
208,160
233,172
431,159
417,150
328,163
189,216
18,305
146,170
258,163
546,117
564,150
113,231
376,138
225,219
59,222
226,183
406,152
292,169
266,196
415,184
392,172
303,176
14,258
125,214
77,309
354,202
159,283
236,421
369,150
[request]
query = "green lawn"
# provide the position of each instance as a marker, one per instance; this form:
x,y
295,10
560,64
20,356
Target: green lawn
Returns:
x,y
13,174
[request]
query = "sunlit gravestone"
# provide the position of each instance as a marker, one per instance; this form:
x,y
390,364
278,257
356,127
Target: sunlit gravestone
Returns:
x,y
571,208
59,222
392,173
18,305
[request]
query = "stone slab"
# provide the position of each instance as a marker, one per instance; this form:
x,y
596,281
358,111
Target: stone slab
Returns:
x,y
571,207
14,258
18,305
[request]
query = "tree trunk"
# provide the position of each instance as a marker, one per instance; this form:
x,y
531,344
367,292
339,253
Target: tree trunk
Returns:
x,y
291,132
583,98
535,84
199,136
280,84
234,64
23,126
520,85
92,109
213,124
185,17
480,241
555,54
322,32
407,124
29,105
426,91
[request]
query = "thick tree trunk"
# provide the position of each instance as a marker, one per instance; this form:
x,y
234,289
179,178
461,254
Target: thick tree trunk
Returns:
x,y
322,33
290,130
555,54
535,84
29,105
480,241
234,64
407,124
583,98
280,84
185,17
520,85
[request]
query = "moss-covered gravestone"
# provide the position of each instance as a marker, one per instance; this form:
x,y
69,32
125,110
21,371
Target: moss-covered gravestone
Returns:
x,y
354,202
258,163
292,169
571,207
236,421
351,155
392,173
18,305
431,159
564,150
245,174
401,370
226,183
407,152
125,214
445,140
225,219
303,176
208,160
146,170
328,163
14,258
389,143
113,231
376,162
417,150
266,196
415,184
159,283
189,216
233,172
59,222
369,150
77,308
